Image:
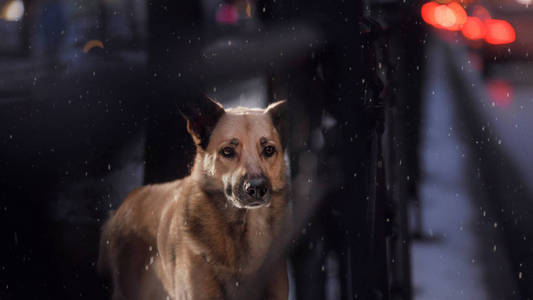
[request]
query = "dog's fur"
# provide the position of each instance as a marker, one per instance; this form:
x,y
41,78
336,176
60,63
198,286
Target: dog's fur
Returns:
x,y
197,238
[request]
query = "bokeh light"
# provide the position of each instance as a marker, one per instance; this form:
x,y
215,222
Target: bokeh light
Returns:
x,y
525,2
13,11
451,16
92,44
445,17
499,32
459,14
481,12
227,14
500,92
428,12
474,29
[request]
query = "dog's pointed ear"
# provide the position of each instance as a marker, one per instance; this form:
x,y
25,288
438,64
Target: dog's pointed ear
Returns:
x,y
278,113
202,116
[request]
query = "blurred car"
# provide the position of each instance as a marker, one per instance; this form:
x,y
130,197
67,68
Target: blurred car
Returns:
x,y
498,28
520,16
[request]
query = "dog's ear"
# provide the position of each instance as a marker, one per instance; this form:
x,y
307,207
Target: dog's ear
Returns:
x,y
202,116
278,112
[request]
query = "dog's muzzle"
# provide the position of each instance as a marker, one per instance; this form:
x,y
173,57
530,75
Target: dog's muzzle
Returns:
x,y
254,191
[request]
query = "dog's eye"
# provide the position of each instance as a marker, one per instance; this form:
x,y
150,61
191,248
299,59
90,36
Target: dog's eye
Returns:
x,y
268,151
227,152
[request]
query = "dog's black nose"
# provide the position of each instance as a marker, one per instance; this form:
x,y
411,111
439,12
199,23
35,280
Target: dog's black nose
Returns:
x,y
256,187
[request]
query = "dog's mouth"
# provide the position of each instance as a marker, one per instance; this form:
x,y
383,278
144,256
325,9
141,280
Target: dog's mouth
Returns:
x,y
246,203
257,204
254,204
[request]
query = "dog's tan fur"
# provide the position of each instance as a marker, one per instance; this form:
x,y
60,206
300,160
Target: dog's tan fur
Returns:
x,y
187,239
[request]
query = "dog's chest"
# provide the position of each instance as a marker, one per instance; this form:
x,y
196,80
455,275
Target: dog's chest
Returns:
x,y
246,245
259,228
258,238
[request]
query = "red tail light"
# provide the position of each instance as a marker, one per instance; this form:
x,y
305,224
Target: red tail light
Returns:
x,y
500,92
481,12
459,14
451,16
428,13
474,29
499,32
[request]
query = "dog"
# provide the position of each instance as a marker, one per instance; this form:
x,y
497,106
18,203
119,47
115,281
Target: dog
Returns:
x,y
199,237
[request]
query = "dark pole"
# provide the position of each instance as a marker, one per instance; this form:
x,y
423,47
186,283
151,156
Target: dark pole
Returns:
x,y
173,33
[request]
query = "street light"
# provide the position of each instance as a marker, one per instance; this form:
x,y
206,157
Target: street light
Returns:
x,y
13,11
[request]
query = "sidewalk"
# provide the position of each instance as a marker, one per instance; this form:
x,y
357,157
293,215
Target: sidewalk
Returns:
x,y
452,262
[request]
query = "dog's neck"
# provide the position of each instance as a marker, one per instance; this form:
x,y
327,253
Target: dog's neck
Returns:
x,y
233,216
230,238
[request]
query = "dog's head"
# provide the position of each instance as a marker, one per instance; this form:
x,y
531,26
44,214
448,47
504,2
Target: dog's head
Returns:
x,y
240,151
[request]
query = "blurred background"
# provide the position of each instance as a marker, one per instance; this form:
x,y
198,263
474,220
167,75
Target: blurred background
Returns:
x,y
410,125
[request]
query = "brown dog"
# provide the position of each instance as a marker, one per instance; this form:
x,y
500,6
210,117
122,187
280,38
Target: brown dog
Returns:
x,y
198,237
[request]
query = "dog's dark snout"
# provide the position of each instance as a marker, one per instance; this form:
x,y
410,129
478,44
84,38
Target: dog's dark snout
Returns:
x,y
256,187
254,190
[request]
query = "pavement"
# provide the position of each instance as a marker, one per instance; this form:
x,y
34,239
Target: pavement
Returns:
x,y
464,253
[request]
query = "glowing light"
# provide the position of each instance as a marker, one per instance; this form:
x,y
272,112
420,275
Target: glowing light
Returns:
x,y
481,12
500,92
428,13
248,10
445,17
13,11
525,2
474,29
460,16
451,16
91,44
499,32
227,14
464,2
